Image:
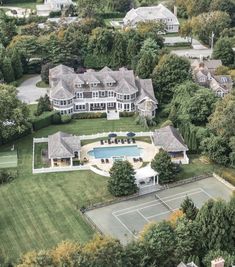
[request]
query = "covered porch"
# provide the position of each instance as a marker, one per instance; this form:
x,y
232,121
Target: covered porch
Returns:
x,y
146,176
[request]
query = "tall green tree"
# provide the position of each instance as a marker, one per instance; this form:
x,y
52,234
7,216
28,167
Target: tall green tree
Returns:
x,y
204,24
88,8
170,71
17,64
189,208
213,223
163,165
227,6
217,149
224,50
122,179
159,244
118,54
215,254
14,115
7,70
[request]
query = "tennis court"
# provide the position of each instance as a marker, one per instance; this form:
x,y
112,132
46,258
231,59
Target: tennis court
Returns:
x,y
8,159
126,219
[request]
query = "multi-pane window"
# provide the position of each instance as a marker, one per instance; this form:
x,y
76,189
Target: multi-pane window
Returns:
x,y
110,93
79,95
95,94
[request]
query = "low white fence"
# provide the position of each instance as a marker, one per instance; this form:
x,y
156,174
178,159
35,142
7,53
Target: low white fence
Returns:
x,y
40,140
61,169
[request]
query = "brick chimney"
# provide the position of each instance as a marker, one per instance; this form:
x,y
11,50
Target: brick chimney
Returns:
x,y
219,262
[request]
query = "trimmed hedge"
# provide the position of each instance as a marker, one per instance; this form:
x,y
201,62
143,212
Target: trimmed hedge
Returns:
x,y
66,118
126,114
90,115
43,120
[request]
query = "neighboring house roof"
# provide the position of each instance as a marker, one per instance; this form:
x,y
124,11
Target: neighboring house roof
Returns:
x,y
63,145
124,82
159,12
169,139
210,65
147,105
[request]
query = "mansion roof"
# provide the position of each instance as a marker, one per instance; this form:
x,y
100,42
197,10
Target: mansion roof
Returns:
x,y
169,139
65,83
159,12
63,145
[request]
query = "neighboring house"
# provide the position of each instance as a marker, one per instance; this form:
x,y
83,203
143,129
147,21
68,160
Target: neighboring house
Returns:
x,y
215,263
101,91
170,140
152,13
63,148
52,5
58,22
204,75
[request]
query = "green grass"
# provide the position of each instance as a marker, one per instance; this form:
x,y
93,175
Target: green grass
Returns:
x,y
38,161
38,211
195,168
8,159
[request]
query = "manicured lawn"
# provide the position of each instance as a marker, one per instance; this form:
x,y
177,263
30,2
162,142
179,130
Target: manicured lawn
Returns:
x,y
38,211
42,84
195,168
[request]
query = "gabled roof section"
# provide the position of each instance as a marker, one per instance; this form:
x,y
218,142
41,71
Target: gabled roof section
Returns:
x,y
125,87
63,145
78,80
147,105
146,90
90,78
61,91
60,70
108,79
105,69
169,139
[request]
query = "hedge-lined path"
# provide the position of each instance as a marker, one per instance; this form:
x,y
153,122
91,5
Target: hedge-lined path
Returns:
x,y
28,92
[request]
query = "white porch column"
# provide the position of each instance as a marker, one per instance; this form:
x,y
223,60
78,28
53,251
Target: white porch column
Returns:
x,y
52,163
71,162
157,179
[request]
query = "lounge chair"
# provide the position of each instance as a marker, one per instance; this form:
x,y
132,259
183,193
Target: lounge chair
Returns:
x,y
101,142
140,159
102,160
107,160
128,141
116,141
133,140
109,141
122,141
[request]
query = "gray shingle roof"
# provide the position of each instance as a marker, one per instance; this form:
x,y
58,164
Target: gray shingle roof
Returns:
x,y
169,139
124,82
150,13
63,145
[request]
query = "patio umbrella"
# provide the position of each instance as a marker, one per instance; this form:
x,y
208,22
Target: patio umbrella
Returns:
x,y
131,134
112,135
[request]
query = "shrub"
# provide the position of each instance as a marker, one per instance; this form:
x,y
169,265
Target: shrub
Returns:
x,y
6,176
89,115
167,123
55,14
126,114
56,118
43,120
66,118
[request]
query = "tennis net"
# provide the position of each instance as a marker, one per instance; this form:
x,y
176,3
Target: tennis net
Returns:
x,y
163,202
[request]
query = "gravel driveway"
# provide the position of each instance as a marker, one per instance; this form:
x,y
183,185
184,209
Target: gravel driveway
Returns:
x,y
28,92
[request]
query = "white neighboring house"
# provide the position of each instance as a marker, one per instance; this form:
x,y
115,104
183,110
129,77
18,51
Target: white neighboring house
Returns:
x,y
152,13
52,5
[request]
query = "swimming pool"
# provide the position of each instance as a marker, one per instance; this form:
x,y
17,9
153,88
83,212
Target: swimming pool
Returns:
x,y
115,151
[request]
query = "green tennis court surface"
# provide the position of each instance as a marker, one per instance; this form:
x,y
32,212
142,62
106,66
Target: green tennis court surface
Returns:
x,y
126,219
8,159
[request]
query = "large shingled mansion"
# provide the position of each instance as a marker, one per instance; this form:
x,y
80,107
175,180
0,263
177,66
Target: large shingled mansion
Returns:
x,y
152,13
101,91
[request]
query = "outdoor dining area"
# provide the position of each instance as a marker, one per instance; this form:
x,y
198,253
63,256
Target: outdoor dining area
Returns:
x,y
112,139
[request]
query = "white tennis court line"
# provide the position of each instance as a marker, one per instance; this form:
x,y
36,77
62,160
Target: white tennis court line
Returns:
x,y
159,203
152,201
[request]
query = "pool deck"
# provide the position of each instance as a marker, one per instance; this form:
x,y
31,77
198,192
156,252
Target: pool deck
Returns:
x,y
147,154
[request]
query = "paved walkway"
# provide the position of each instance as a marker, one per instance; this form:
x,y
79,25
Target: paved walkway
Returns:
x,y
194,53
28,92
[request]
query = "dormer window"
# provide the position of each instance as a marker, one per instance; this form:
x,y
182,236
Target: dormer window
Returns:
x,y
224,79
202,79
110,84
94,84
78,85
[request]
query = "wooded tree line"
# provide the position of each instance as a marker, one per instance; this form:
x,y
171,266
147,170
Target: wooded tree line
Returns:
x,y
189,234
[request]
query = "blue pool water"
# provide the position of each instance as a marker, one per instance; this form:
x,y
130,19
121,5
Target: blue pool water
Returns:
x,y
115,151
